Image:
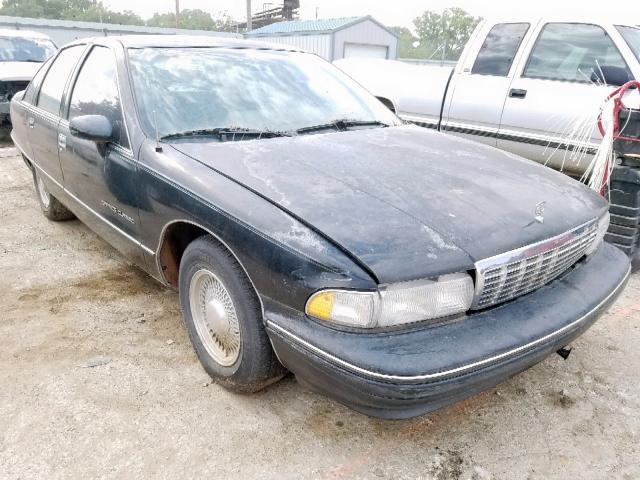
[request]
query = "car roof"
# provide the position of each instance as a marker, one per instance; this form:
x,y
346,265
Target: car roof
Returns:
x,y
159,41
8,32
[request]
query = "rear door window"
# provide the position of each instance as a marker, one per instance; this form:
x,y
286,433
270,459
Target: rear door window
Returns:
x,y
53,85
499,49
573,52
96,92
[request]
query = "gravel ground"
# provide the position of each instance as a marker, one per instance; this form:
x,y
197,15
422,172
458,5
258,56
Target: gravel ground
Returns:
x,y
98,379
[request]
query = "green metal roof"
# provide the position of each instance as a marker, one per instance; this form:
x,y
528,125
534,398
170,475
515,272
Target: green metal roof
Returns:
x,y
305,26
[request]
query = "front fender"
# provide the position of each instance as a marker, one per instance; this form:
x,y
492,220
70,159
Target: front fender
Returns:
x,y
284,259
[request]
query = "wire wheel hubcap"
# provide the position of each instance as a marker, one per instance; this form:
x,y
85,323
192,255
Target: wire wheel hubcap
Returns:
x,y
215,317
42,191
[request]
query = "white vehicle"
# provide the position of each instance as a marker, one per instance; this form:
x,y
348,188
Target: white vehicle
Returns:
x,y
21,55
518,85
521,85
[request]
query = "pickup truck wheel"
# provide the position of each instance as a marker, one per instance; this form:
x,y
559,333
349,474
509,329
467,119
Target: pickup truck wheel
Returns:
x,y
50,205
224,319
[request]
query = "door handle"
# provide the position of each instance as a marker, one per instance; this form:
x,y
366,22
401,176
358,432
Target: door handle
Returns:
x,y
32,122
62,142
517,93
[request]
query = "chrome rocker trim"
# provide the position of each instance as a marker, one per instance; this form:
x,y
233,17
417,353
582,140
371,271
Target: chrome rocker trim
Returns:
x,y
100,217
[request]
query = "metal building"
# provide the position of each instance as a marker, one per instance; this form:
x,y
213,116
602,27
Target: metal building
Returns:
x,y
333,39
64,31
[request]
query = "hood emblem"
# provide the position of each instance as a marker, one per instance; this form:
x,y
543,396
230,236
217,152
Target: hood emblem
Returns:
x,y
539,212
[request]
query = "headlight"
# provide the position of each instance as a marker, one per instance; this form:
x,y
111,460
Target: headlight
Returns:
x,y
356,309
603,226
395,304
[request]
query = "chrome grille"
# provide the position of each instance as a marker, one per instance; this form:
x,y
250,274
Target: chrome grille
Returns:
x,y
521,271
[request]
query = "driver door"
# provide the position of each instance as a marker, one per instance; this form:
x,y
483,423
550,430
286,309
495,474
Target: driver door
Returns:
x,y
102,176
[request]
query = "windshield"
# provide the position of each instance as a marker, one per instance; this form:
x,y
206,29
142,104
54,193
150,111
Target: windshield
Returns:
x,y
196,89
632,37
18,49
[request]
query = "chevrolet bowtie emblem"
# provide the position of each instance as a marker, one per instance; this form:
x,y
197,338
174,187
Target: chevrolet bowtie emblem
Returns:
x,y
539,213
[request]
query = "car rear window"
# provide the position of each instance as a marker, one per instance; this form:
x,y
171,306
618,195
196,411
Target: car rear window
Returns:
x,y
19,49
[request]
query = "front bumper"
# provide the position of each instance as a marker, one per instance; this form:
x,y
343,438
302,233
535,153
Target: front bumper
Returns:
x,y
406,373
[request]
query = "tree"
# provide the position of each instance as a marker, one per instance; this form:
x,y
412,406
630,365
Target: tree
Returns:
x,y
410,45
81,10
194,19
95,11
444,35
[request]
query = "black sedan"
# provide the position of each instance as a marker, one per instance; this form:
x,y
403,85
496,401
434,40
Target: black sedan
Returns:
x,y
306,228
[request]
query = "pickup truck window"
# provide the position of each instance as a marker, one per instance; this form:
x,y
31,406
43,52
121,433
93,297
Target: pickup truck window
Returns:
x,y
194,89
573,52
631,35
499,49
96,92
56,79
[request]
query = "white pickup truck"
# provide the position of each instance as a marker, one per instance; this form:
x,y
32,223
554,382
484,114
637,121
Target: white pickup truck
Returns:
x,y
21,55
520,85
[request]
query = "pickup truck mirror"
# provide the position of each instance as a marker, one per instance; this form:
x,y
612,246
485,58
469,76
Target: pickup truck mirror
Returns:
x,y
616,76
96,128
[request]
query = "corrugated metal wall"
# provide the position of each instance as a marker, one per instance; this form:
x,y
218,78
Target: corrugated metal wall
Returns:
x,y
318,44
62,31
365,33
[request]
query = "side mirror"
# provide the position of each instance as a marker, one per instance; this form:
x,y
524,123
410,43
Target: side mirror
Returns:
x,y
616,76
96,128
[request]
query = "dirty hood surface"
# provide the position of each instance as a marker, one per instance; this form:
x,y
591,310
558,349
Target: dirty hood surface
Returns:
x,y
407,202
16,71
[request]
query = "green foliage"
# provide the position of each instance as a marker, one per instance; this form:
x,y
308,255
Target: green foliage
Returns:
x,y
95,11
446,32
81,10
407,41
194,19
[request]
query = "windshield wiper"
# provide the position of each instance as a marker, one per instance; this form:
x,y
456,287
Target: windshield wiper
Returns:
x,y
226,134
341,125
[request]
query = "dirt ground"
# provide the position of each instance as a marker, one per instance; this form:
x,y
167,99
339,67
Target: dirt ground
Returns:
x,y
98,379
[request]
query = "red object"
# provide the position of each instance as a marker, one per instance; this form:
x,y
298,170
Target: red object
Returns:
x,y
617,106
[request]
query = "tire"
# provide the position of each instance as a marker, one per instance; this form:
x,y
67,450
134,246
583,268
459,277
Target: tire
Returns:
x,y
50,205
223,317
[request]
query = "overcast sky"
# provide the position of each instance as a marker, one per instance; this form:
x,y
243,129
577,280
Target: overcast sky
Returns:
x,y
389,12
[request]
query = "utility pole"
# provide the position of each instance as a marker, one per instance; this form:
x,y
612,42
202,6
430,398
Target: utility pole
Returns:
x,y
177,13
249,26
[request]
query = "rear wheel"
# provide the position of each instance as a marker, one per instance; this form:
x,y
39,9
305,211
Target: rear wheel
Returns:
x,y
50,205
224,319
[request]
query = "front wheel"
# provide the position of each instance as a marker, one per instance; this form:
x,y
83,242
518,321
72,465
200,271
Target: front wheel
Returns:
x,y
50,205
224,319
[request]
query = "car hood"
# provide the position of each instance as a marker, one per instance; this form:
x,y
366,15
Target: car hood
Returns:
x,y
406,201
18,71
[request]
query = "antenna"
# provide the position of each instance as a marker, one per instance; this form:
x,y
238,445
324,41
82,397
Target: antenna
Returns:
x,y
155,124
